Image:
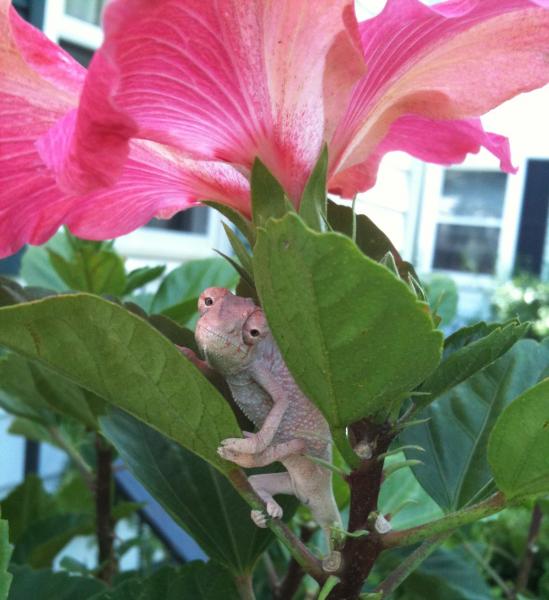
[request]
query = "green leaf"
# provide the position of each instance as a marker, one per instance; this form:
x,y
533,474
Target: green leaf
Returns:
x,y
445,575
354,336
182,313
463,359
121,358
47,585
5,553
199,499
36,268
31,391
90,269
312,207
187,282
245,226
369,237
442,293
38,529
194,581
241,252
455,472
267,195
518,449
401,493
140,277
13,293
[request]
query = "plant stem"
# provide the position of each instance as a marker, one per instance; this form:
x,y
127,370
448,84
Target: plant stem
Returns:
x,y
103,514
297,548
450,522
85,470
410,564
530,550
294,574
359,554
245,587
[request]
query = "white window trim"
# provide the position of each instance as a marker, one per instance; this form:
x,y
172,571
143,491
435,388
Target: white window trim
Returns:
x,y
144,243
508,223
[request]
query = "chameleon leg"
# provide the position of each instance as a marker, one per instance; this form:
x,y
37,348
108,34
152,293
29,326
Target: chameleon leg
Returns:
x,y
265,487
270,455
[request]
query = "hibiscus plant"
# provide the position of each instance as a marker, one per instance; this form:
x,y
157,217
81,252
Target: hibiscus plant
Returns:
x,y
261,109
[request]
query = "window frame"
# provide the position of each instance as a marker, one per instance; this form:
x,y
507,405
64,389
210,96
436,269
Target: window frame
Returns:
x,y
146,242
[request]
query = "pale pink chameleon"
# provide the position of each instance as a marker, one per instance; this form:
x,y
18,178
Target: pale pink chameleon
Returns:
x,y
236,341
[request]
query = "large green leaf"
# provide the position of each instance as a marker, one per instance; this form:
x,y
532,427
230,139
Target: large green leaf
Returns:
x,y
200,499
121,358
354,336
178,292
468,351
455,470
5,553
33,392
518,449
47,585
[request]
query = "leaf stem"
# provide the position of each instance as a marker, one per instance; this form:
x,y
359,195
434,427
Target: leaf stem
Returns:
x,y
445,524
484,564
244,586
529,551
410,564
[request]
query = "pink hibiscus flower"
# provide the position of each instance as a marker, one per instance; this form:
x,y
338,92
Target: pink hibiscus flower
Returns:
x,y
184,94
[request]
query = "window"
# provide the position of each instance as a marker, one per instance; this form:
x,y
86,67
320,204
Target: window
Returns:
x,y
462,221
469,221
74,25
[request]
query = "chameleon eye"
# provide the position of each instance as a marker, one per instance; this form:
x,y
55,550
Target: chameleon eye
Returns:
x,y
208,301
254,332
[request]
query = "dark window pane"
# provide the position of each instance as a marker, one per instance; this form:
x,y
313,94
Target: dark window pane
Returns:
x,y
473,193
194,220
87,10
465,248
82,55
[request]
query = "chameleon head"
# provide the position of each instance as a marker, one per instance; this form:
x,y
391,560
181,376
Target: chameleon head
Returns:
x,y
230,330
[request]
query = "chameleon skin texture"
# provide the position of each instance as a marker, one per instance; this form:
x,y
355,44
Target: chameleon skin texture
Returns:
x,y
234,337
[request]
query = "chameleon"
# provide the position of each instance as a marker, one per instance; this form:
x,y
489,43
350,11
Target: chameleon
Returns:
x,y
233,336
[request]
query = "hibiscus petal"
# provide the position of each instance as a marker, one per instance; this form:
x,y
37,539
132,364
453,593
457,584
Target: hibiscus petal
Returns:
x,y
453,60
441,142
154,183
227,80
38,83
